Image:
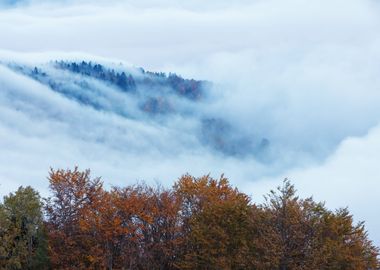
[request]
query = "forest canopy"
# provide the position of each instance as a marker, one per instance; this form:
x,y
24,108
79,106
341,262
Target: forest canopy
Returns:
x,y
199,223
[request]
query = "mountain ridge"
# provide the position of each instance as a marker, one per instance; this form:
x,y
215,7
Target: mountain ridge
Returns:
x,y
134,93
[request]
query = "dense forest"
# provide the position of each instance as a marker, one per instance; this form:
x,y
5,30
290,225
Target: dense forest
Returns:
x,y
199,223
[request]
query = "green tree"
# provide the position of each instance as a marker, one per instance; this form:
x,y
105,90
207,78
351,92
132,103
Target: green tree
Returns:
x,y
23,243
215,218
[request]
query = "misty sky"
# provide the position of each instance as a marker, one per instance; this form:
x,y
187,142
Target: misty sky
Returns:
x,y
305,74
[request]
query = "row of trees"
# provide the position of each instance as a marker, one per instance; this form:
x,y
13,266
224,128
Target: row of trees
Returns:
x,y
200,223
120,79
191,89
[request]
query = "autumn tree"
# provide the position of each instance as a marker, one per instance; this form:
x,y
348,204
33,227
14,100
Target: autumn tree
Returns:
x,y
72,192
134,227
161,229
145,227
342,244
303,234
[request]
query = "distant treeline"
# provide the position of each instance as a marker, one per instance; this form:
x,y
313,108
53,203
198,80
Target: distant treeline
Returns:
x,y
199,223
156,87
191,89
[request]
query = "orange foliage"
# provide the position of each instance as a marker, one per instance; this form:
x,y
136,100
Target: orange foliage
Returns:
x,y
201,223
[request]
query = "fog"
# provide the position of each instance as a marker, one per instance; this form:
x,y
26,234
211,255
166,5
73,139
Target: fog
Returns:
x,y
303,74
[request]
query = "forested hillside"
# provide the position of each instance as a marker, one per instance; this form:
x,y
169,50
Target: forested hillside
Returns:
x,y
150,86
135,95
199,223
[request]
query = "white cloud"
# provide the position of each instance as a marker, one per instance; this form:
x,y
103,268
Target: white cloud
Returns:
x,y
349,177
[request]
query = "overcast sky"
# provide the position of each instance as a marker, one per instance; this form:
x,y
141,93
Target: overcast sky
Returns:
x,y
304,73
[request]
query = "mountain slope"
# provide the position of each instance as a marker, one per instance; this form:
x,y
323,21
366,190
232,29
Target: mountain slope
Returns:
x,y
167,105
